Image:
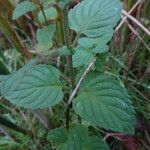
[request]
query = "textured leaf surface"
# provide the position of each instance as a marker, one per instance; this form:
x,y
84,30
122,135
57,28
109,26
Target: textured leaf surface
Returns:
x,y
63,51
2,78
44,37
95,143
104,103
95,17
35,86
82,57
96,45
63,3
88,47
76,138
94,42
59,135
14,78
100,62
22,9
50,14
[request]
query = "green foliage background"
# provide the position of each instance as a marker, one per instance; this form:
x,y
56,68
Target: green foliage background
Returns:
x,y
128,61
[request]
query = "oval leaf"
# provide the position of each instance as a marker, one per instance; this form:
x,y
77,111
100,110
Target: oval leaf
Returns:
x,y
37,87
95,17
104,103
95,143
59,135
76,138
23,8
81,57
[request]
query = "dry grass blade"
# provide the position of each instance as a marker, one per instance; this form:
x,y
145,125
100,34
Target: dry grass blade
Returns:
x,y
136,33
125,18
136,22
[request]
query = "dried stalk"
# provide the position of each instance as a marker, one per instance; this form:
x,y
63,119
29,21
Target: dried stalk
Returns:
x,y
136,33
80,81
125,18
136,22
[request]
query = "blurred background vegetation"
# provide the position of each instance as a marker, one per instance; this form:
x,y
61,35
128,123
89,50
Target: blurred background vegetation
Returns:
x,y
129,60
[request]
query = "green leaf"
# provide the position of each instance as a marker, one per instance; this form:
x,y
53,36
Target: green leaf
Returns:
x,y
81,57
95,143
102,48
88,47
63,3
59,135
93,45
50,13
46,3
23,8
94,42
100,62
105,103
76,138
63,51
95,17
44,37
97,45
35,86
2,78
10,84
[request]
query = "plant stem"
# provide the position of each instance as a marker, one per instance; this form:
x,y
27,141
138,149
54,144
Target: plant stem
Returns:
x,y
80,81
69,60
59,26
68,43
68,116
41,8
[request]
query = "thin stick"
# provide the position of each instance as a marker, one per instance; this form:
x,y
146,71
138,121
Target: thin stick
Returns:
x,y
80,81
136,33
137,22
125,18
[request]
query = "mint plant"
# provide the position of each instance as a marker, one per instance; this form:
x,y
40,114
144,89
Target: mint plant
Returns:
x,y
68,66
